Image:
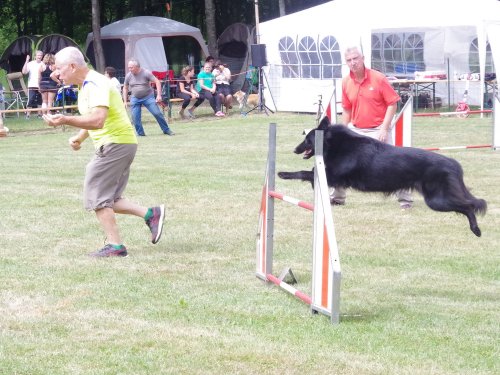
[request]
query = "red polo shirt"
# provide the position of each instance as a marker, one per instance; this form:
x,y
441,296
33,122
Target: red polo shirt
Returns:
x,y
368,100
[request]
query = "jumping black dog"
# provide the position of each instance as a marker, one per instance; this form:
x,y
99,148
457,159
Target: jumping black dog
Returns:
x,y
366,164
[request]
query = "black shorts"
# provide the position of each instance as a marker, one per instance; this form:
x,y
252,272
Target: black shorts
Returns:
x,y
224,90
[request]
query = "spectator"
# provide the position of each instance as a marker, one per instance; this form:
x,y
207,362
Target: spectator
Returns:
x,y
110,72
186,91
369,103
4,131
210,60
48,82
206,88
32,68
139,81
222,76
104,119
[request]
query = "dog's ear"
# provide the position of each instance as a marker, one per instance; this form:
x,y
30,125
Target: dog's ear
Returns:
x,y
324,124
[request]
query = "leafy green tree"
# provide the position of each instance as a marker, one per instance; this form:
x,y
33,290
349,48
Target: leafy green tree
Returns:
x,y
96,32
73,18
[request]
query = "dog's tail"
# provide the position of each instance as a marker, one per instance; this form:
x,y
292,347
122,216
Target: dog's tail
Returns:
x,y
480,206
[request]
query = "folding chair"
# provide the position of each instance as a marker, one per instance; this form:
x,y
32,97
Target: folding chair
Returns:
x,y
17,97
167,78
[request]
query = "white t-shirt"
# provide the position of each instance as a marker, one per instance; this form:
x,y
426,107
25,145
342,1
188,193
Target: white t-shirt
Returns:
x,y
116,84
33,73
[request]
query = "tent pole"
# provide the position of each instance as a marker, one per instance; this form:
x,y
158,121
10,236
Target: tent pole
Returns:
x,y
449,89
257,33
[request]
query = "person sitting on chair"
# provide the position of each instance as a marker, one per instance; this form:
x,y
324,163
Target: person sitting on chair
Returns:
x,y
206,88
186,91
222,76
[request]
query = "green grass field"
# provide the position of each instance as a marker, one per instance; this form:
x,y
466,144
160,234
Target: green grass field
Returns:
x,y
419,295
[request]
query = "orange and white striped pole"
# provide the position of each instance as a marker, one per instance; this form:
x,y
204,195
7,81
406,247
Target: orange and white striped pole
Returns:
x,y
265,234
326,273
401,133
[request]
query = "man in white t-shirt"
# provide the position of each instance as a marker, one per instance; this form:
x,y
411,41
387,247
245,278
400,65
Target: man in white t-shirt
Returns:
x,y
32,68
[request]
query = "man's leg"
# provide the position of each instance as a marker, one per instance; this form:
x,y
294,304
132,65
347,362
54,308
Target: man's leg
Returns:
x,y
153,216
126,207
337,196
114,248
107,219
135,108
152,106
404,198
31,100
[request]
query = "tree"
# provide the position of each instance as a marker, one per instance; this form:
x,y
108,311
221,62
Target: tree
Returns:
x,y
96,35
282,8
210,25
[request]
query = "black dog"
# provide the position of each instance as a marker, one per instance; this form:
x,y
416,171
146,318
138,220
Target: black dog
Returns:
x,y
366,164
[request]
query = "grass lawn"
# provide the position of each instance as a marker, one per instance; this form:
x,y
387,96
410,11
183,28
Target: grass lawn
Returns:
x,y
419,295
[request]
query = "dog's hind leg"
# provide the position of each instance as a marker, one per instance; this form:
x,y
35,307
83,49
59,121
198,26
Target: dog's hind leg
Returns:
x,y
440,204
444,196
473,223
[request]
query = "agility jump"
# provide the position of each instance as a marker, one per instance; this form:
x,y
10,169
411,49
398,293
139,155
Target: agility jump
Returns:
x,y
402,131
326,272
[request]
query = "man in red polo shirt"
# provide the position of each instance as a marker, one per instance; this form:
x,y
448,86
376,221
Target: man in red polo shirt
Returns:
x,y
369,104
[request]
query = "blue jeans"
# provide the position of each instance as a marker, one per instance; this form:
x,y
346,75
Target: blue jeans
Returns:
x,y
150,103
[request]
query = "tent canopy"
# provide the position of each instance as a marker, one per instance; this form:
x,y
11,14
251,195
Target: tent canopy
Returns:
x,y
14,56
305,49
158,43
233,47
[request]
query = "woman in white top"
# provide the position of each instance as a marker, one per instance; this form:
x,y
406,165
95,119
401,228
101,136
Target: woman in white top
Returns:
x,y
222,76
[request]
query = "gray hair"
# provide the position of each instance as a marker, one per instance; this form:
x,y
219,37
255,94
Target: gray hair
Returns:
x,y
135,62
354,48
71,55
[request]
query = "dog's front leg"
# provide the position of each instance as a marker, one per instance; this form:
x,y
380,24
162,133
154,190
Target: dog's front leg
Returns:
x,y
300,175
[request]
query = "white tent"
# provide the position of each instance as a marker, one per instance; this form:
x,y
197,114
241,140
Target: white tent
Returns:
x,y
158,43
305,49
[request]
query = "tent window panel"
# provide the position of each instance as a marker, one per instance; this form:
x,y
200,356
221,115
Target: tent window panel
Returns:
x,y
331,71
474,58
399,54
377,60
289,58
413,53
329,52
309,59
181,51
393,54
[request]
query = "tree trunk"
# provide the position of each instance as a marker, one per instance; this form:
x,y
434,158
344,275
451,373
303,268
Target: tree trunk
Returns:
x,y
96,36
210,25
282,8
